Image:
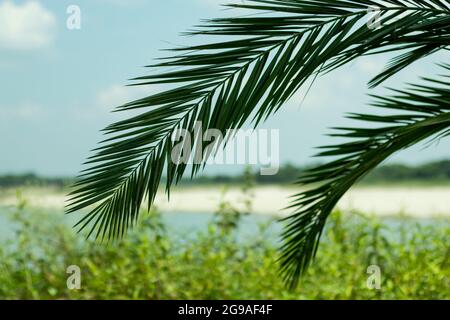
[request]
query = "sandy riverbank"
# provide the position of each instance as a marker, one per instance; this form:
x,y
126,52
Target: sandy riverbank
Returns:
x,y
416,201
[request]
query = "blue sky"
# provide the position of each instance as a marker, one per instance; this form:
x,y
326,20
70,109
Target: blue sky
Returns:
x,y
58,85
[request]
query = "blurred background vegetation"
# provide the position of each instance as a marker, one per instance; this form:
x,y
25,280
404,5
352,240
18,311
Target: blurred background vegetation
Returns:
x,y
436,172
220,261
231,254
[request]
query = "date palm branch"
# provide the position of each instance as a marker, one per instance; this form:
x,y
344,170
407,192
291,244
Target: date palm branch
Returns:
x,y
264,59
421,113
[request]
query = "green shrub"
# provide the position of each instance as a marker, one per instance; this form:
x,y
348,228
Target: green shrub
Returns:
x,y
151,263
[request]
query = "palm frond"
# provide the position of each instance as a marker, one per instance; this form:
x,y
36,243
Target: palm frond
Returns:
x,y
247,77
425,113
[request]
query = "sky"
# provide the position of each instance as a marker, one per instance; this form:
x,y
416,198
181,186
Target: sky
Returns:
x,y
58,85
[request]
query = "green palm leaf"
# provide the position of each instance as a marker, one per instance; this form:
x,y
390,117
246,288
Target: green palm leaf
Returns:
x,y
425,114
262,61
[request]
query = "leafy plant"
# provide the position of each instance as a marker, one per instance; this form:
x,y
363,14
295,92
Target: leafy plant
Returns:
x,y
247,77
228,215
154,262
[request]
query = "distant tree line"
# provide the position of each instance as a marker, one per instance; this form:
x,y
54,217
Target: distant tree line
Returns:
x,y
432,171
31,179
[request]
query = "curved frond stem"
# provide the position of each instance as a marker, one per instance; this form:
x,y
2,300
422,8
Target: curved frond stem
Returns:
x,y
425,115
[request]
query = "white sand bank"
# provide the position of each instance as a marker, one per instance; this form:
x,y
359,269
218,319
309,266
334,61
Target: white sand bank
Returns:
x,y
420,201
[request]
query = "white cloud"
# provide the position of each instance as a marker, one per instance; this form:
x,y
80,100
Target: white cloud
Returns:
x,y
370,65
24,111
116,95
25,27
101,105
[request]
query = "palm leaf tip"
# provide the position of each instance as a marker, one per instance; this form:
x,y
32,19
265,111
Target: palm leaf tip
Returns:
x,y
424,114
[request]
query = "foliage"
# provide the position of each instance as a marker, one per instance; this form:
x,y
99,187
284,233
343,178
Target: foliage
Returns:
x,y
416,117
433,172
227,215
31,179
427,172
152,263
263,59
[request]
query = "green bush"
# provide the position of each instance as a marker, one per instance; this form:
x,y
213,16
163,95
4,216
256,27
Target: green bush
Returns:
x,y
151,263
